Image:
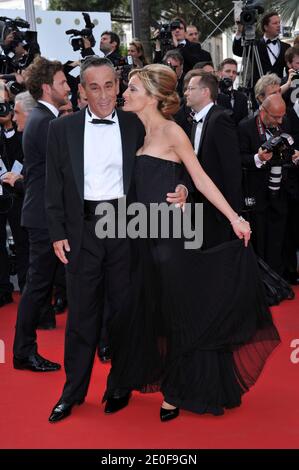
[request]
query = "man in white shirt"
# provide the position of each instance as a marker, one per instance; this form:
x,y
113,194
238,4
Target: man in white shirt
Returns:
x,y
47,84
90,160
271,50
215,141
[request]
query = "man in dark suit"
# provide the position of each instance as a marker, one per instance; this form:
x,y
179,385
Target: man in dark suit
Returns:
x,y
90,161
215,141
271,50
238,101
47,84
267,190
109,45
192,52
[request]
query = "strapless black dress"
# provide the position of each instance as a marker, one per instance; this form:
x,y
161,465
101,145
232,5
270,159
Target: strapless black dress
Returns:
x,y
196,326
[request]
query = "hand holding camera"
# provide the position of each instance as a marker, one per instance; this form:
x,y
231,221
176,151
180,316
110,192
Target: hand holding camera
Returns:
x,y
264,154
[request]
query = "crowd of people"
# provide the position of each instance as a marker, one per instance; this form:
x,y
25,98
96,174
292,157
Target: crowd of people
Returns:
x,y
184,134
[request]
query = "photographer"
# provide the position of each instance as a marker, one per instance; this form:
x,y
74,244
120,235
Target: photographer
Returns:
x,y
12,159
228,71
109,45
266,180
290,84
191,51
19,48
270,49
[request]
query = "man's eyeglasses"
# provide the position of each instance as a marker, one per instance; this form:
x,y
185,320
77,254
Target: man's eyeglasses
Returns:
x,y
191,88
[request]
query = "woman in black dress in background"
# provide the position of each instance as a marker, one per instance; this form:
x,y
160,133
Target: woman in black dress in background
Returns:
x,y
197,326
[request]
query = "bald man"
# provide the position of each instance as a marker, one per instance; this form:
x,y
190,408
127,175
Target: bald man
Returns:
x,y
266,184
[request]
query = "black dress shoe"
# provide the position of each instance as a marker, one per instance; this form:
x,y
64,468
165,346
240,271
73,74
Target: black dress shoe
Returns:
x,y
35,363
62,410
104,354
5,298
47,325
59,305
167,415
114,404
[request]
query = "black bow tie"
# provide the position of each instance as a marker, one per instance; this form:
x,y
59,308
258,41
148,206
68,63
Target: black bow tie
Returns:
x,y
198,122
101,121
273,41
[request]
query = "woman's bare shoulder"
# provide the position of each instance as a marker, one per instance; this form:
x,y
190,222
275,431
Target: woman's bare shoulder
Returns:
x,y
172,129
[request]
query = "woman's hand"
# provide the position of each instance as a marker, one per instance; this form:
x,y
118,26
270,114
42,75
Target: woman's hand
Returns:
x,y
242,229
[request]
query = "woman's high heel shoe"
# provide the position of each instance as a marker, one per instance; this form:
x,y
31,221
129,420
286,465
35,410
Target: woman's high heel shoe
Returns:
x,y
167,415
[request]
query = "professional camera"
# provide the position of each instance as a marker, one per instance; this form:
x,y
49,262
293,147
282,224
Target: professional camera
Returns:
x,y
5,108
8,25
295,76
225,84
124,65
165,32
249,17
10,60
76,39
282,147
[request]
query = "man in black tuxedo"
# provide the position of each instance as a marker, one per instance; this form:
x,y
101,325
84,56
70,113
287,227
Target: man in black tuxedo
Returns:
x,y
271,50
192,52
109,45
238,101
267,190
47,84
90,160
215,141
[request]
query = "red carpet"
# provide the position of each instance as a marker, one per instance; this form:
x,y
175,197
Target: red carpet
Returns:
x,y
268,417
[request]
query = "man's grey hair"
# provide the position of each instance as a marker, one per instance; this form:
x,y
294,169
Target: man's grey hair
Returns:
x,y
27,101
173,54
95,61
263,82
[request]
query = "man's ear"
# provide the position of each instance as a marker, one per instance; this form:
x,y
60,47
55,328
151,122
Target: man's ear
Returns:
x,y
46,88
82,91
117,85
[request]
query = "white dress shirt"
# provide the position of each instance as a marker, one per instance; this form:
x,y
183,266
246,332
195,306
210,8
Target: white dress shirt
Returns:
x,y
103,159
275,48
50,106
200,116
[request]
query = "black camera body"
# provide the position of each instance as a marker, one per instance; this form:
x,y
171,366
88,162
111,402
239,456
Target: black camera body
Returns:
x,y
76,41
28,39
295,76
282,147
6,108
165,32
249,18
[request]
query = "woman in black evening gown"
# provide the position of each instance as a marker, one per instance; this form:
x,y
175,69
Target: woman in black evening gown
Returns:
x,y
196,326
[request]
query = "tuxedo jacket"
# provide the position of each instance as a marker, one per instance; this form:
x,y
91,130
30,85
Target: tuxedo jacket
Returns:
x,y
256,180
35,148
219,156
192,53
277,67
240,109
65,173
